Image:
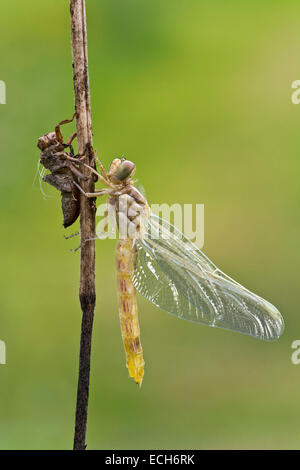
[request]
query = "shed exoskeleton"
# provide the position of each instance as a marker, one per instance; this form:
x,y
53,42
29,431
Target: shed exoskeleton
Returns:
x,y
63,167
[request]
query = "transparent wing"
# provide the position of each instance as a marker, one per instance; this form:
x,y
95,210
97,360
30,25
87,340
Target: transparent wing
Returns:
x,y
173,274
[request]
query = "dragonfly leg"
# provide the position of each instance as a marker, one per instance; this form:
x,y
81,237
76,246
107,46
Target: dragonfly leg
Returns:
x,y
69,143
102,192
102,169
101,178
80,162
76,249
70,139
82,243
77,173
71,236
58,131
100,235
75,160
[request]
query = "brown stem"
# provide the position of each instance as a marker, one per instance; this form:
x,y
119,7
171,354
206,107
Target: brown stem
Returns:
x,y
87,292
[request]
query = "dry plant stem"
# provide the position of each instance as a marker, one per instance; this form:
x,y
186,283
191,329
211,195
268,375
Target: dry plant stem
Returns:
x,y
87,292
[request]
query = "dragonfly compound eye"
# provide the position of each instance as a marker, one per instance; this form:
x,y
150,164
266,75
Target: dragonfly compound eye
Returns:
x,y
125,170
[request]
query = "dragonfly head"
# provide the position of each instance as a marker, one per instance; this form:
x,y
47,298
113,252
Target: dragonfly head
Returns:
x,y
121,170
47,140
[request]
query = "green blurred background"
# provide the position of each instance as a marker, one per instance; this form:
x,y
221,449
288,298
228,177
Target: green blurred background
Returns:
x,y
198,95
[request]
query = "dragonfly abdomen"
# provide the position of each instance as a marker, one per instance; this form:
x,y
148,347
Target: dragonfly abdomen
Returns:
x,y
130,329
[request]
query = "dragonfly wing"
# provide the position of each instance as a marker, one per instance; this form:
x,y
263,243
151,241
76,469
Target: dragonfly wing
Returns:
x,y
173,274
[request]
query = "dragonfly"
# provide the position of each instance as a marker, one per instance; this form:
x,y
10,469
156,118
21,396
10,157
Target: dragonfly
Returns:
x,y
163,265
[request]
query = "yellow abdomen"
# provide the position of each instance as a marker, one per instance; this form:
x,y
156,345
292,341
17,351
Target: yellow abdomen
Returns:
x,y
130,329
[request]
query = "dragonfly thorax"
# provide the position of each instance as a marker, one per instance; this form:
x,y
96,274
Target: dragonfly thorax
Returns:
x,y
131,210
